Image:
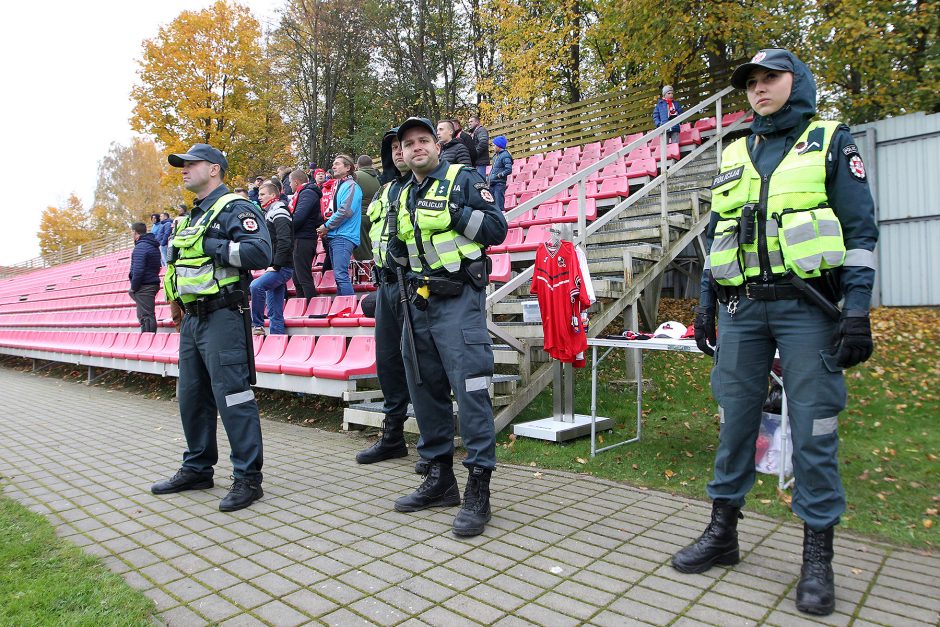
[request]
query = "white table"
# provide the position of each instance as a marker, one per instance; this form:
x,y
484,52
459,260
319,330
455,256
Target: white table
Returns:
x,y
663,344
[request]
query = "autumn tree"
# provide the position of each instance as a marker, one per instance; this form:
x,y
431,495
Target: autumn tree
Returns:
x,y
877,57
64,227
131,185
203,79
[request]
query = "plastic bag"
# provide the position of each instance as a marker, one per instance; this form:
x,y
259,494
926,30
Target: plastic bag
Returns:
x,y
770,446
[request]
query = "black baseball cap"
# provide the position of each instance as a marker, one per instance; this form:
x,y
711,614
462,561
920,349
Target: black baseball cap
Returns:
x,y
199,152
768,59
412,122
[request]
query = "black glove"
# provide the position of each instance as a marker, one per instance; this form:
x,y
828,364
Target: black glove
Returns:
x,y
705,336
853,341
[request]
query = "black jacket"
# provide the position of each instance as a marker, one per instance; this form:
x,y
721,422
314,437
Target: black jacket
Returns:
x,y
307,216
278,219
481,138
455,151
145,262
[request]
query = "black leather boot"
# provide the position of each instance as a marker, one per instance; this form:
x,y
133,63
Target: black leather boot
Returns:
x,y
816,592
717,545
390,445
243,493
184,479
421,467
438,490
472,518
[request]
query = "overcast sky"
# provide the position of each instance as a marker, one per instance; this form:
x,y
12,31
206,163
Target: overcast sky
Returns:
x,y
68,68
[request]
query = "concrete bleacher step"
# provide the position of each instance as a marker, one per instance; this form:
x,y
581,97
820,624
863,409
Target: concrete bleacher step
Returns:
x,y
370,414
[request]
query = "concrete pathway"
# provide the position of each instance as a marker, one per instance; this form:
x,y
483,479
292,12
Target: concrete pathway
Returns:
x,y
325,546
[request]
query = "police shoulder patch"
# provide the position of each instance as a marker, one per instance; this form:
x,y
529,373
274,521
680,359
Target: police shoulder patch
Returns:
x,y
856,167
487,195
480,185
849,150
246,214
249,225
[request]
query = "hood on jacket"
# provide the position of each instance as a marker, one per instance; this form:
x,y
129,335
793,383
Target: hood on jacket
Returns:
x,y
148,238
799,108
389,171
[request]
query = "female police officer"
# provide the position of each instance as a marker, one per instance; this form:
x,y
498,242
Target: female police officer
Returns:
x,y
792,232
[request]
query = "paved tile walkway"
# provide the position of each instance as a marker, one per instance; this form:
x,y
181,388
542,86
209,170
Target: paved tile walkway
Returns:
x,y
325,546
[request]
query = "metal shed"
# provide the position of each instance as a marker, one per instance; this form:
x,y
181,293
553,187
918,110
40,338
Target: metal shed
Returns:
x,y
902,156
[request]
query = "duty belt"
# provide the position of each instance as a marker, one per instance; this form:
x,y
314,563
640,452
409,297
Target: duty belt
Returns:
x,y
765,291
202,307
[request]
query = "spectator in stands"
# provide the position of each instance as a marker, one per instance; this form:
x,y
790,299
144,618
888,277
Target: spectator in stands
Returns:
x,y
253,189
481,139
270,288
305,207
283,175
466,139
182,210
501,170
319,177
368,179
666,109
163,235
228,240
341,230
452,149
154,223
145,276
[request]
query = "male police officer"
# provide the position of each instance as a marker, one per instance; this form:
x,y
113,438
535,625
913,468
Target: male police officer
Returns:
x,y
446,218
210,255
792,232
383,211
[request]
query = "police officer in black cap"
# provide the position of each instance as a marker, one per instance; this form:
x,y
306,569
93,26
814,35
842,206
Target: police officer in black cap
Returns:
x,y
446,217
792,232
210,256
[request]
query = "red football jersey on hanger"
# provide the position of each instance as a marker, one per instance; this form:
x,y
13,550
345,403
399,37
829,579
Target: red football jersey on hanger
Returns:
x,y
559,286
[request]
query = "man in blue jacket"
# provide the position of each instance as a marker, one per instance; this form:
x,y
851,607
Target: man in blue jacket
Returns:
x,y
342,230
501,170
145,276
163,235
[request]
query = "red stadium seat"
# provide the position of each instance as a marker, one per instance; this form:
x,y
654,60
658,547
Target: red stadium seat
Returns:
x,y
341,305
359,360
268,359
327,283
706,124
547,213
257,342
571,210
642,168
502,268
171,352
615,187
522,220
318,308
513,236
351,320
329,349
295,308
158,344
535,236
672,151
299,349
142,345
100,343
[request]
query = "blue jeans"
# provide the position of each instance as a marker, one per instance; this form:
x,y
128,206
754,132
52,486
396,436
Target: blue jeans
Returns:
x,y
163,254
499,194
268,289
341,252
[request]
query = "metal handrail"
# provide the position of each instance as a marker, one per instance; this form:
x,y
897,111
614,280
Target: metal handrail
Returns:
x,y
580,179
94,248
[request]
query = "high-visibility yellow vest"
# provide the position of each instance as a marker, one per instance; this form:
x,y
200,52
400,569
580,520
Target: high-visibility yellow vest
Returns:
x,y
443,247
379,231
798,231
194,274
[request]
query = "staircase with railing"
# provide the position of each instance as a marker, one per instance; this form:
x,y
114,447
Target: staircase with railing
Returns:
x,y
629,248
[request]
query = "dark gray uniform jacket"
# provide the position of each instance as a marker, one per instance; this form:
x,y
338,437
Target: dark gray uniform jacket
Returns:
x,y
849,194
238,237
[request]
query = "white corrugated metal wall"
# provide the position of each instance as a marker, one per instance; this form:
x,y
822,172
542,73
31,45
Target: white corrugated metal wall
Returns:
x,y
902,156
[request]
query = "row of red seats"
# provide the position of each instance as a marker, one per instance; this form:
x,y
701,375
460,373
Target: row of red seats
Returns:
x,y
324,311
555,212
326,356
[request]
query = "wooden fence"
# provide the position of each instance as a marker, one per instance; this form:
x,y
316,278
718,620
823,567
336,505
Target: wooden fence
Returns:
x,y
609,115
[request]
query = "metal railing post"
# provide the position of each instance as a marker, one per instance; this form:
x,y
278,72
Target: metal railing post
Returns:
x,y
718,147
663,192
582,212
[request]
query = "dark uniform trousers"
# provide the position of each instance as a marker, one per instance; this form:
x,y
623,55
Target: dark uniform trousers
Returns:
x,y
214,379
454,353
815,396
389,365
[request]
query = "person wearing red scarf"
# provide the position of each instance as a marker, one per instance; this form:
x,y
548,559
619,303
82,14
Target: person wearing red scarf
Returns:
x,y
666,109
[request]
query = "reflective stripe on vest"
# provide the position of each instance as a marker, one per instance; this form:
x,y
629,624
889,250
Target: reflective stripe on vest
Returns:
x,y
193,273
443,247
802,232
379,232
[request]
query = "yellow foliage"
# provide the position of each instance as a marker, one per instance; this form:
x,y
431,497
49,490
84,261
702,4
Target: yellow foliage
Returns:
x,y
63,227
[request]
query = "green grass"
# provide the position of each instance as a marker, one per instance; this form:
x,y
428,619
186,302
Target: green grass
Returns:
x,y
889,450
47,581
